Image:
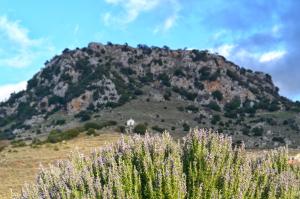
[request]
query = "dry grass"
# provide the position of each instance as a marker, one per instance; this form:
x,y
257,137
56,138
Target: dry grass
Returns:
x,y
20,165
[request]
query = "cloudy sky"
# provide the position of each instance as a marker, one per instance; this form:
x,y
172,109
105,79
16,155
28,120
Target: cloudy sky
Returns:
x,y
259,34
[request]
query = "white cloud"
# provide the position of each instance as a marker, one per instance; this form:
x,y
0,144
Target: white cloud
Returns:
x,y
171,20
271,56
15,32
21,50
133,8
6,90
224,50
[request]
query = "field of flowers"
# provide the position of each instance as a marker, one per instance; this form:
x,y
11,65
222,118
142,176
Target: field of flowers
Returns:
x,y
203,165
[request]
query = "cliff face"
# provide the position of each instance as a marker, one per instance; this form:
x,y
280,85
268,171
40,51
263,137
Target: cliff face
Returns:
x,y
100,77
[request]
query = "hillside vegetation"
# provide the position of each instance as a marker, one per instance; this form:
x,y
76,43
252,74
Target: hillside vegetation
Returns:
x,y
203,165
169,89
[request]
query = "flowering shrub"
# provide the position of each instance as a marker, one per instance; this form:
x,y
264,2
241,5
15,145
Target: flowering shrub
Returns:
x,y
203,166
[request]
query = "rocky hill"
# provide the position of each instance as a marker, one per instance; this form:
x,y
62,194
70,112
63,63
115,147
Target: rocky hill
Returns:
x,y
167,89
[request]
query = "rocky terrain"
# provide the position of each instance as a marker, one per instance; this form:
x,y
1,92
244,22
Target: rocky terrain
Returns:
x,y
164,88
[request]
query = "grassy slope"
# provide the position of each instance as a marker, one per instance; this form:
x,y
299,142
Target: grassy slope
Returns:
x,y
20,165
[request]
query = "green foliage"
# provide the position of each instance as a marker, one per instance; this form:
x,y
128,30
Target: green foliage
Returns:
x,y
203,166
185,127
91,132
25,111
217,95
204,73
158,129
32,83
214,106
233,75
140,129
192,108
165,80
18,143
121,129
127,71
183,92
167,95
56,100
58,136
84,116
199,55
179,73
100,125
6,135
215,119
234,104
198,84
258,131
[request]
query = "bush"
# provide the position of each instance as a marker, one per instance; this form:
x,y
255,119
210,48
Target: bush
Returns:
x,y
183,92
203,166
158,129
101,125
58,136
192,108
185,127
179,73
217,95
84,116
258,131
91,125
204,73
18,143
92,132
214,106
165,80
215,119
234,104
121,129
140,129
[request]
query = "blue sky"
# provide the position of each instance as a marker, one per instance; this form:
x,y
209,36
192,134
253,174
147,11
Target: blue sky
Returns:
x,y
256,34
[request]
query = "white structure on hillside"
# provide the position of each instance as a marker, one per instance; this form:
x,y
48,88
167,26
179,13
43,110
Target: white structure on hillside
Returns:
x,y
129,125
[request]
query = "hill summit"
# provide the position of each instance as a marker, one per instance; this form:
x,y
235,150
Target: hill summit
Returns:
x,y
164,88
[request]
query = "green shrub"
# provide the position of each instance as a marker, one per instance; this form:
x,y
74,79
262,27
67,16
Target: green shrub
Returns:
x,y
158,129
18,143
58,136
165,80
215,119
204,73
100,125
84,116
234,104
192,108
214,106
203,166
258,131
91,125
217,95
92,131
185,127
179,73
121,129
167,95
183,92
140,129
